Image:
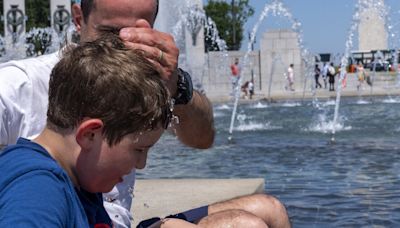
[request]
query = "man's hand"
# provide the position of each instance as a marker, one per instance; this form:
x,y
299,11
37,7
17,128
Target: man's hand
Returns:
x,y
195,118
159,48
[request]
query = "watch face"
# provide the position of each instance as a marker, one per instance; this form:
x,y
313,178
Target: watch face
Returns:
x,y
184,88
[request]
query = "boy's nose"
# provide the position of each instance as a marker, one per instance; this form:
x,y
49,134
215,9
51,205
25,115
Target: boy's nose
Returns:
x,y
141,161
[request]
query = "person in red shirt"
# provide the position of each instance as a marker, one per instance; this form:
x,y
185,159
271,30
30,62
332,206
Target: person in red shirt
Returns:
x,y
235,69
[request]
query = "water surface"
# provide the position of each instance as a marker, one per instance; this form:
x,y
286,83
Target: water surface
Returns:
x,y
352,183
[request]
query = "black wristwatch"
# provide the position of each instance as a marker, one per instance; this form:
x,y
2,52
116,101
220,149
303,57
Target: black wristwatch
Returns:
x,y
184,91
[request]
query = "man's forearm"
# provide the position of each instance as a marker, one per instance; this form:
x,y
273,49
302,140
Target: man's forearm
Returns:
x,y
196,122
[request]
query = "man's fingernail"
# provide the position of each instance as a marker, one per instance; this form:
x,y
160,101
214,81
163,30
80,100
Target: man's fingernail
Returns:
x,y
124,34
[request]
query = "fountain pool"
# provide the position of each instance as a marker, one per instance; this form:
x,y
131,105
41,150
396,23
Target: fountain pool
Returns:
x,y
353,183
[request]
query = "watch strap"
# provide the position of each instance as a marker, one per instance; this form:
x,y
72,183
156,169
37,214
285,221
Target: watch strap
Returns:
x,y
184,92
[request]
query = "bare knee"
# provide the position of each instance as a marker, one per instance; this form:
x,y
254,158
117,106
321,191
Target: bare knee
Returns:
x,y
271,210
266,207
263,202
232,218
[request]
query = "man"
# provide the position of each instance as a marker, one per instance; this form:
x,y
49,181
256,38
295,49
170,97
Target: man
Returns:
x,y
331,77
92,137
290,77
26,87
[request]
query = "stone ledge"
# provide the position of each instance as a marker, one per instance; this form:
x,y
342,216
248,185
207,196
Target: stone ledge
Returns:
x,y
162,197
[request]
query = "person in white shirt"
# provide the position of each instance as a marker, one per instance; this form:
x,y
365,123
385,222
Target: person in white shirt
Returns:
x,y
290,78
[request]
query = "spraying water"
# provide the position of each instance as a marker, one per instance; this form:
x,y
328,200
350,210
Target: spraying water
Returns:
x,y
276,8
193,18
361,7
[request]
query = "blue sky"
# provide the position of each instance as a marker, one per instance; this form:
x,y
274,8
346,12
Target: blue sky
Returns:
x,y
325,23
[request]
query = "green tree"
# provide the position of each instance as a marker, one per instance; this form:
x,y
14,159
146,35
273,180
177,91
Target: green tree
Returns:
x,y
229,19
38,13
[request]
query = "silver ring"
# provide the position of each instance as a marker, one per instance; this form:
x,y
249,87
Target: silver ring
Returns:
x,y
160,56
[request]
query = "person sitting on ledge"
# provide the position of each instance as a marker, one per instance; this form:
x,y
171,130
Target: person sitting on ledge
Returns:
x,y
107,106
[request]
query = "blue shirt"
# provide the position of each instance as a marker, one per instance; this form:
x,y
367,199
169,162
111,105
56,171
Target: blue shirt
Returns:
x,y
35,191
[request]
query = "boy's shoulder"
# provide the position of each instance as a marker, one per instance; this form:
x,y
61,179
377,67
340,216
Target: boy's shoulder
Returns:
x,y
34,183
27,158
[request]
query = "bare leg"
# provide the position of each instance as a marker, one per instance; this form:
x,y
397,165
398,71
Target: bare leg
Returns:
x,y
266,207
173,223
232,219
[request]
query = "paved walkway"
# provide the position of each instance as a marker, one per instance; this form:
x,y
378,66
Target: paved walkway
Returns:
x,y
384,85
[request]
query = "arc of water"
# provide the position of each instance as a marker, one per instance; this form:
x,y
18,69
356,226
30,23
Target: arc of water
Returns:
x,y
360,7
192,18
276,58
277,8
394,43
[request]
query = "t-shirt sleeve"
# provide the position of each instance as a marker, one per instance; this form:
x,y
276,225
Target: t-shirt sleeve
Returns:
x,y
36,199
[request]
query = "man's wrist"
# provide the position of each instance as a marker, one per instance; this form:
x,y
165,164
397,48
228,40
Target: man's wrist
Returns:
x,y
184,91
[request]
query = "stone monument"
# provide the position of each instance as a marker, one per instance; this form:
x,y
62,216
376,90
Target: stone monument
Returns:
x,y
60,12
278,49
14,18
371,30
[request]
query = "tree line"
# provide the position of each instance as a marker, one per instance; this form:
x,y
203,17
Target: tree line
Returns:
x,y
229,17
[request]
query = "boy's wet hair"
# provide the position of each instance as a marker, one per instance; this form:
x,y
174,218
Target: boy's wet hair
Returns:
x,y
103,79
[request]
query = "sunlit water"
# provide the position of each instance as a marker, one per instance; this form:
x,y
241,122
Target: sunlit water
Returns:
x,y
353,183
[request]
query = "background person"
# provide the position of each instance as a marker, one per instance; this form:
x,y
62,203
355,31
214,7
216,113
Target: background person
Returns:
x,y
235,74
331,76
360,76
251,88
245,89
317,73
290,78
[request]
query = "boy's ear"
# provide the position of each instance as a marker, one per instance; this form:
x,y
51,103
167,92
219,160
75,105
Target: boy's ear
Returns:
x,y
89,133
77,16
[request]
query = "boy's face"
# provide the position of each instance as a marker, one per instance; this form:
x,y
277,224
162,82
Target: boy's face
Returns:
x,y
100,169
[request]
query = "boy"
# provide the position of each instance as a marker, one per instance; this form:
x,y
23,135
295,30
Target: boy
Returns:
x,y
107,107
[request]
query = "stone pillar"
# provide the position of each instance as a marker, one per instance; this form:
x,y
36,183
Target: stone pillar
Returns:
x,y
279,49
14,18
173,18
372,31
60,11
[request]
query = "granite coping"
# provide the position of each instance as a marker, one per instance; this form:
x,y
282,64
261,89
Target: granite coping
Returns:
x,y
162,197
